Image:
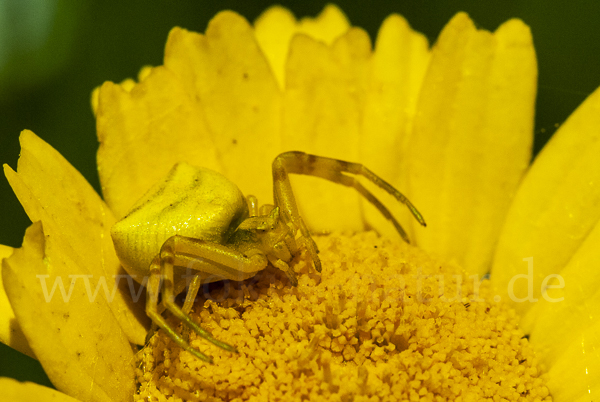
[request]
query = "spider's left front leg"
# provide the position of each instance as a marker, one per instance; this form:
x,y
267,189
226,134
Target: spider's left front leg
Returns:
x,y
212,261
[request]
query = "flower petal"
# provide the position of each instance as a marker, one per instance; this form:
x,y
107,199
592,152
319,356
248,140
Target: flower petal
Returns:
x,y
53,192
228,75
323,105
577,372
143,132
329,25
555,208
572,301
475,108
15,391
398,66
78,341
127,85
275,27
10,331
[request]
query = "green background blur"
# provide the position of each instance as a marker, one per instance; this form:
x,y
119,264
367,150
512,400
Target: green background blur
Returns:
x,y
54,52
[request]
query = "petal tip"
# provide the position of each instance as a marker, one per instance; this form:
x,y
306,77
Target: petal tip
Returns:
x,y
333,12
275,13
94,100
516,31
224,19
26,136
461,19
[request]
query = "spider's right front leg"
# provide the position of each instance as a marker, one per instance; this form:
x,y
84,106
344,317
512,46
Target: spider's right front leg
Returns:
x,y
283,196
336,171
212,261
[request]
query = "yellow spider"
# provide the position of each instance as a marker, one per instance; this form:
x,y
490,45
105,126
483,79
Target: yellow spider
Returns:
x,y
197,219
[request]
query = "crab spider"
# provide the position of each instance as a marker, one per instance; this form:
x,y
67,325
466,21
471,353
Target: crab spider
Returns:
x,y
197,219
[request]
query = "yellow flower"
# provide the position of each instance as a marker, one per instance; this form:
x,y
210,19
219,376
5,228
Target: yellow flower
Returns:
x,y
451,126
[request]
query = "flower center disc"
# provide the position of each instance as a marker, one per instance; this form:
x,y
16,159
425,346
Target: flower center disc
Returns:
x,y
383,319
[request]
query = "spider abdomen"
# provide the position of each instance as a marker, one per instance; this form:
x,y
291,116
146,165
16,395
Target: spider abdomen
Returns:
x,y
190,201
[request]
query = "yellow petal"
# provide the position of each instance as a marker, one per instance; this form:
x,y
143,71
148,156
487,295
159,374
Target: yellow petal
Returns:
x,y
10,331
577,373
274,30
95,100
585,397
127,85
144,132
144,73
399,64
555,208
329,25
324,102
53,192
228,75
75,336
276,26
15,391
573,300
472,137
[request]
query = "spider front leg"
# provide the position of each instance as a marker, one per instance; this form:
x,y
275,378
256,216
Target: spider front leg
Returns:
x,y
283,196
334,170
212,261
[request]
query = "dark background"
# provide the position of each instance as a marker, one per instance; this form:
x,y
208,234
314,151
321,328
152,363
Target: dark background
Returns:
x,y
54,52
